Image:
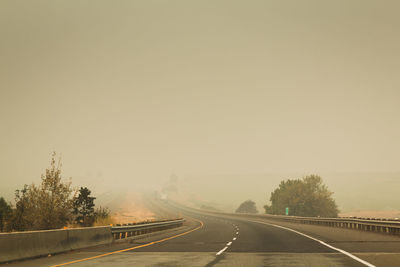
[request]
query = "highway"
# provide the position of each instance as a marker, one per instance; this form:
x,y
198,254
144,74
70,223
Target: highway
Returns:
x,y
220,240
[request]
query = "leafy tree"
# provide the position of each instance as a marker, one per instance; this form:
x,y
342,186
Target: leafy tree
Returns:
x,y
20,221
247,207
50,205
84,208
5,213
47,206
304,197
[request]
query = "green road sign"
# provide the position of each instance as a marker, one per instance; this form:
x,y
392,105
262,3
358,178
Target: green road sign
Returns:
x,y
287,211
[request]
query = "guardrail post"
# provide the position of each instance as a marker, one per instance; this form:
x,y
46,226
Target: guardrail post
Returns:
x,y
125,231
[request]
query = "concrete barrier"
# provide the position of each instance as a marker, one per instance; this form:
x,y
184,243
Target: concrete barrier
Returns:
x,y
25,245
88,237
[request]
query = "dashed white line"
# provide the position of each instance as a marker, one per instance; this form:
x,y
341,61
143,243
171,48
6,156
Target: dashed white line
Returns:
x,y
234,238
237,233
230,243
222,250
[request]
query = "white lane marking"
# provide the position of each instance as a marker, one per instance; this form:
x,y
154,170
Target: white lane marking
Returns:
x,y
234,238
323,243
230,243
222,250
237,233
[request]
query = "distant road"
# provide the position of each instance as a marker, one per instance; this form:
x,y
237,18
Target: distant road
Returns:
x,y
219,240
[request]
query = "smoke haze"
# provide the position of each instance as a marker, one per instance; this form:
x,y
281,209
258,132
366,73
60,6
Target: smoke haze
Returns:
x,y
232,96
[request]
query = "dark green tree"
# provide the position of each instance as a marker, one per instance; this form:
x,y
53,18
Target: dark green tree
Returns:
x,y
5,213
19,220
84,207
304,197
247,207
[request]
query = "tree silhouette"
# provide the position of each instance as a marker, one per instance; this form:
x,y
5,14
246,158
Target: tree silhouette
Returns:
x,y
304,197
247,207
5,212
84,207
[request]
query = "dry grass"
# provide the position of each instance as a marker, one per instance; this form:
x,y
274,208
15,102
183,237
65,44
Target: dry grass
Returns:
x,y
105,221
131,209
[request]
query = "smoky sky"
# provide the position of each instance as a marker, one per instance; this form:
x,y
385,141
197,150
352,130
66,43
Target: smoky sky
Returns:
x,y
132,91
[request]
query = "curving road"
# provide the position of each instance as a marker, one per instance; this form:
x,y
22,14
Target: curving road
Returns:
x,y
221,240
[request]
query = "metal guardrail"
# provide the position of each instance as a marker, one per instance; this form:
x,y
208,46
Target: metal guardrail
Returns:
x,y
363,224
380,226
374,219
384,226
129,230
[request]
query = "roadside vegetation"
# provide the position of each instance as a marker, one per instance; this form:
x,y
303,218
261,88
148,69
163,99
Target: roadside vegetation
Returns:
x,y
5,212
52,204
248,206
303,197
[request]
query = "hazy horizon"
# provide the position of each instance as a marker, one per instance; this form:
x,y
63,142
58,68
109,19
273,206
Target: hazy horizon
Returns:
x,y
130,92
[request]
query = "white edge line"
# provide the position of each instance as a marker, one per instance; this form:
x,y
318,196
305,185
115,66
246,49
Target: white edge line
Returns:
x,y
222,250
323,243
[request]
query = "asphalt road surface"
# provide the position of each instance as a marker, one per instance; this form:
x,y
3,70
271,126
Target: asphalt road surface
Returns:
x,y
218,240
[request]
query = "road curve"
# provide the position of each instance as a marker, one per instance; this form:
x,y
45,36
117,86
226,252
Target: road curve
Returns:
x,y
220,240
